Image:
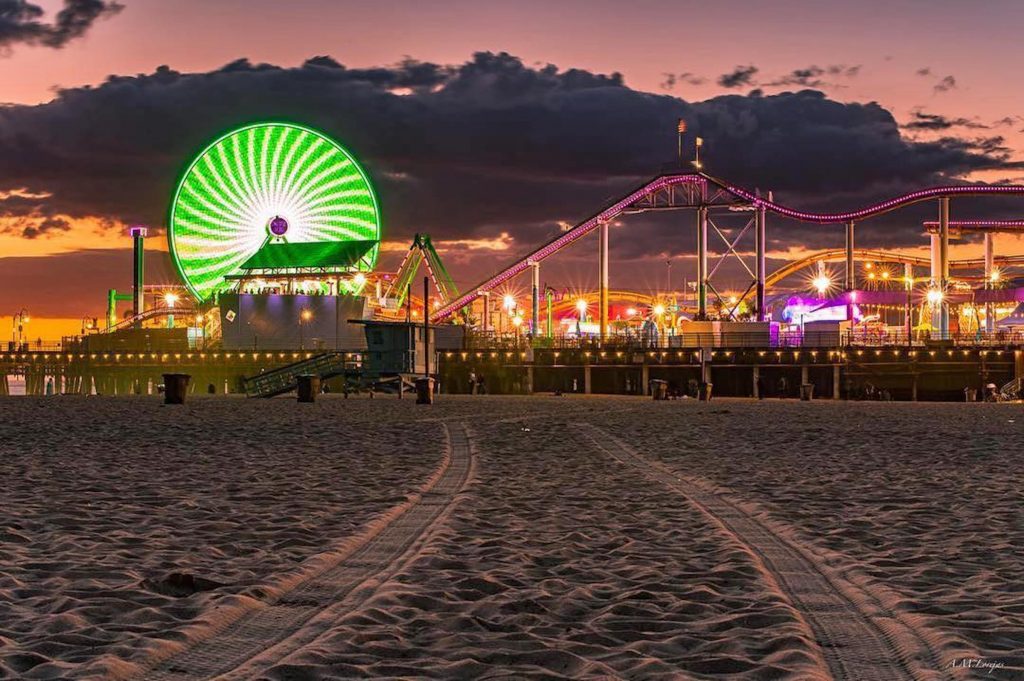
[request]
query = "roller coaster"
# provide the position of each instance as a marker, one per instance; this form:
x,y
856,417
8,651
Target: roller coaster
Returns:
x,y
710,197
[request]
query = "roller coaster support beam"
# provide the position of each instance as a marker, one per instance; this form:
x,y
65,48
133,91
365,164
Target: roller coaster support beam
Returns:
x,y
760,248
944,264
549,296
535,300
702,262
851,273
485,318
990,317
908,307
603,234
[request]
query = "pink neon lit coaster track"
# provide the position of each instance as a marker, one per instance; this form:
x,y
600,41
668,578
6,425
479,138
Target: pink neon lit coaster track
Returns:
x,y
659,183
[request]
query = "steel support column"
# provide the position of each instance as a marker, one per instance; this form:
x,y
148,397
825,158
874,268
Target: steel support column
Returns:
x,y
908,309
702,262
851,275
759,237
535,299
486,316
944,265
990,316
604,280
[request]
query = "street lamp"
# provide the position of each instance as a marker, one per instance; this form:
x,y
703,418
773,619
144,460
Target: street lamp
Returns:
x,y
18,322
508,304
581,307
170,299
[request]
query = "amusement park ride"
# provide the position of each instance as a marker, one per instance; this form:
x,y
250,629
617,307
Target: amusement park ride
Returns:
x,y
275,230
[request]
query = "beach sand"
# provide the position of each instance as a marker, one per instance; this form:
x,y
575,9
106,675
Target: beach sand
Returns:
x,y
590,537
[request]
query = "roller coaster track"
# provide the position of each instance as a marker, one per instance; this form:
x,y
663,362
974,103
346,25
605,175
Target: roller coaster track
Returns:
x,y
696,188
861,254
154,313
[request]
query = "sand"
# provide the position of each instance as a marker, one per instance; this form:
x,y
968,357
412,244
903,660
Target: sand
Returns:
x,y
589,537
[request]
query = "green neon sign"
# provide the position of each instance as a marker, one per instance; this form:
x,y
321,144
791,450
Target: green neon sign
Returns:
x,y
261,182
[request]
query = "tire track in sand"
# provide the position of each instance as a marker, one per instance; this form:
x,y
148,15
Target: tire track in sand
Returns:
x,y
858,636
261,637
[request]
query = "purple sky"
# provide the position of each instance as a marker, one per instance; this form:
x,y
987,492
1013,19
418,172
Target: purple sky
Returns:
x,y
946,67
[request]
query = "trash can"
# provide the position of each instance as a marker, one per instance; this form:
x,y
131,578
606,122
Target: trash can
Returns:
x,y
704,392
806,392
970,395
659,389
175,388
424,391
309,386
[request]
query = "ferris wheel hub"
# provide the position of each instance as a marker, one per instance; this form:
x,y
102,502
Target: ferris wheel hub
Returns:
x,y
278,226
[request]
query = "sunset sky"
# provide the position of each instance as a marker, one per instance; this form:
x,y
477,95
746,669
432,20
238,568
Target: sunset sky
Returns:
x,y
494,150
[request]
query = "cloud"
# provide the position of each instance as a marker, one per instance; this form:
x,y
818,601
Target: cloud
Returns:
x,y
44,226
738,77
924,72
817,76
928,121
670,80
945,85
465,152
20,22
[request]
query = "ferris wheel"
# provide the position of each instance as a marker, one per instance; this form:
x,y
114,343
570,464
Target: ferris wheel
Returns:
x,y
262,183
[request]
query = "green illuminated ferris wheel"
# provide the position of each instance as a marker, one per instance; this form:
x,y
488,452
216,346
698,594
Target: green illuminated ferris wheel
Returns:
x,y
262,183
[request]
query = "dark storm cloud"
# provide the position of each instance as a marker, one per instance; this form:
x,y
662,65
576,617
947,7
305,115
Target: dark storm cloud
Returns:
x,y
21,22
738,77
473,150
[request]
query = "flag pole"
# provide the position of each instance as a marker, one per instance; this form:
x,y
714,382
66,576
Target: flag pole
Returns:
x,y
680,131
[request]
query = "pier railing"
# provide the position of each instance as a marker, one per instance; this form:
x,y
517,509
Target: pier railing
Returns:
x,y
738,339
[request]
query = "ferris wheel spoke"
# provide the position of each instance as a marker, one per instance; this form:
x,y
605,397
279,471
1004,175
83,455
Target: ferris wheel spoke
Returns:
x,y
234,184
217,184
326,186
304,166
241,168
275,162
294,166
201,208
